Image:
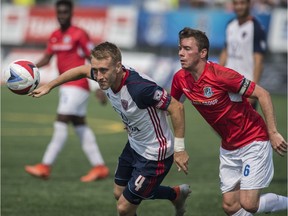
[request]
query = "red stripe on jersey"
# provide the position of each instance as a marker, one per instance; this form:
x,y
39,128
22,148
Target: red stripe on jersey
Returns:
x,y
164,147
159,132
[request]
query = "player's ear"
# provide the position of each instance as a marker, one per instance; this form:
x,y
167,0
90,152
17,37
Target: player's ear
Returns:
x,y
118,67
204,53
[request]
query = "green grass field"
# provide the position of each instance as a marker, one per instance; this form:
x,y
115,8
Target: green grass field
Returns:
x,y
26,129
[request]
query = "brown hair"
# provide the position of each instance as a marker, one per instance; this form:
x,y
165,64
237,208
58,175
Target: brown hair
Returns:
x,y
106,50
200,37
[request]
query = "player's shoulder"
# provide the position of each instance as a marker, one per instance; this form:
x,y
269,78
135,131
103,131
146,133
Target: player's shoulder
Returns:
x,y
258,25
136,78
137,83
180,73
214,69
55,32
77,28
232,23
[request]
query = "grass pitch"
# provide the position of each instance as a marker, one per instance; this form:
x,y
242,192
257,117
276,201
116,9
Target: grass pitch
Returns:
x,y
26,128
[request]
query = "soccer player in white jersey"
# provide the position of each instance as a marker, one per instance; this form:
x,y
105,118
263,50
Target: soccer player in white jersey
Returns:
x,y
245,44
143,106
220,95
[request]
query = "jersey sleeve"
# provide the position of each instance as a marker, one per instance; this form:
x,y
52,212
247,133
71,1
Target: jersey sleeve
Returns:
x,y
155,96
176,90
85,43
48,49
149,94
236,83
259,42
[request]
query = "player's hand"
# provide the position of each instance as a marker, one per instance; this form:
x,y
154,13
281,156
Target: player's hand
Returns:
x,y
181,159
278,143
101,96
45,89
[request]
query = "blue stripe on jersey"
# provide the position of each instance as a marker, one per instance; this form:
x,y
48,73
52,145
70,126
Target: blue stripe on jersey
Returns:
x,y
143,91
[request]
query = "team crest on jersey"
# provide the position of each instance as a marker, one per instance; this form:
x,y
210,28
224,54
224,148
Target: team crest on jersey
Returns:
x,y
208,92
66,39
124,104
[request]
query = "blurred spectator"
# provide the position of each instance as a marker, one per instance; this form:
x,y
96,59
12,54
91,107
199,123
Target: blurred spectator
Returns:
x,y
245,44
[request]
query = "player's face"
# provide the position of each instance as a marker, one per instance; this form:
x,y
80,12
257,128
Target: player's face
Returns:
x,y
241,8
189,53
105,72
64,15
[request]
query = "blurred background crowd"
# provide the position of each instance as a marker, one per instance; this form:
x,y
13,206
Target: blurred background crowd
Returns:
x,y
257,5
145,30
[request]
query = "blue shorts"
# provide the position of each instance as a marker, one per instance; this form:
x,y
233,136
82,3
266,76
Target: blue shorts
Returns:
x,y
141,177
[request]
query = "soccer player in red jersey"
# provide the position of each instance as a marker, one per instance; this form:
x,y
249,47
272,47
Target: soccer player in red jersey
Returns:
x,y
220,95
72,46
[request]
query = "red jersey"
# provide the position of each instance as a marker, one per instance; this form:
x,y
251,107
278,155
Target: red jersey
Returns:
x,y
71,48
220,95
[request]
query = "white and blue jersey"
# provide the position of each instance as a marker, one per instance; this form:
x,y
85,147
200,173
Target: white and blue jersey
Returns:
x,y
142,105
242,41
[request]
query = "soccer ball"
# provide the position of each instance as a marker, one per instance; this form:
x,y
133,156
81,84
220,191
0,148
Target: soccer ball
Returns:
x,y
22,77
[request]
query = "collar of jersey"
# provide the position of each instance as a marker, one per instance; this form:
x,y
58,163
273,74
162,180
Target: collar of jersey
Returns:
x,y
123,80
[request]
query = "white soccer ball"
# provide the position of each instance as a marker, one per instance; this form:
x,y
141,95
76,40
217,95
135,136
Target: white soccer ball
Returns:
x,y
22,77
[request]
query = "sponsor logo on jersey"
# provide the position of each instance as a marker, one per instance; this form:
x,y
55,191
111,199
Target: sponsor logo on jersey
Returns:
x,y
67,39
205,103
208,92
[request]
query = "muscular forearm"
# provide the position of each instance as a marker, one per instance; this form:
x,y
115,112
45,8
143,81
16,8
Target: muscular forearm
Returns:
x,y
72,74
178,119
44,61
268,112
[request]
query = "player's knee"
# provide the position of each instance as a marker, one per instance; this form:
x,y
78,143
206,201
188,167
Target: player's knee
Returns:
x,y
122,209
230,207
250,207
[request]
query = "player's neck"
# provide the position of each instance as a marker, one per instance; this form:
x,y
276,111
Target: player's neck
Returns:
x,y
119,82
243,19
65,27
197,71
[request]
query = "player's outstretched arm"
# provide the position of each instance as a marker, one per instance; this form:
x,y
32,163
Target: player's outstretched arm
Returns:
x,y
72,74
278,142
176,111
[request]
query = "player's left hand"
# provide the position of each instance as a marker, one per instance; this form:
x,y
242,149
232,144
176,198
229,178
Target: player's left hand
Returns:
x,y
42,90
101,96
181,159
278,143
